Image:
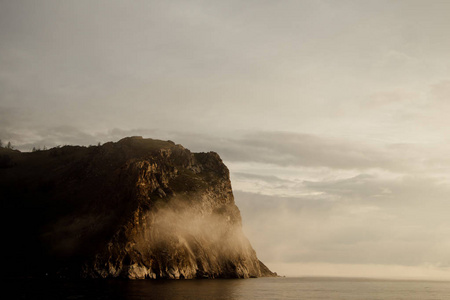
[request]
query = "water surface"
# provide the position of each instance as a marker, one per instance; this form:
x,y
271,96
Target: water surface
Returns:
x,y
232,289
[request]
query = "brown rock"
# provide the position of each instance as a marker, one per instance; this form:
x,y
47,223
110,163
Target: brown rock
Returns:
x,y
138,208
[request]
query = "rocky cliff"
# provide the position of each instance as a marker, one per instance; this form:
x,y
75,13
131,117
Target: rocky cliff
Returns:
x,y
138,208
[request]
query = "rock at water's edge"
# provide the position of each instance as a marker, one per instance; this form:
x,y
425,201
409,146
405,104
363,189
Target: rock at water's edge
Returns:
x,y
138,208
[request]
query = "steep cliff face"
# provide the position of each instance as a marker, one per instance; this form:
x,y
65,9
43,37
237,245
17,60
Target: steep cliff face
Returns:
x,y
138,208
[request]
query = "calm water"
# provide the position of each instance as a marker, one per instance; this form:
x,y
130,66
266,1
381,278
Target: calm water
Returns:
x,y
233,289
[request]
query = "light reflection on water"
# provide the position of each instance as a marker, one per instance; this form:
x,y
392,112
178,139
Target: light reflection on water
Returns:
x,y
232,289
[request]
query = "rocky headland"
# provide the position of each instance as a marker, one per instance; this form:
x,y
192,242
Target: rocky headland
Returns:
x,y
138,208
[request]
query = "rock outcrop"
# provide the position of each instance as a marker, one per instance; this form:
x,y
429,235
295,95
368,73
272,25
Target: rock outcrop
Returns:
x,y
138,208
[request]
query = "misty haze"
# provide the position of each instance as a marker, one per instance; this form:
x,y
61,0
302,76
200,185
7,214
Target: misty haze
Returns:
x,y
310,148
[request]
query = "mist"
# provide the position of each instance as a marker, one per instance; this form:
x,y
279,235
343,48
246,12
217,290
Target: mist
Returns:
x,y
191,225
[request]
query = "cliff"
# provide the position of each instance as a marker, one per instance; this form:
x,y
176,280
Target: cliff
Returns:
x,y
138,208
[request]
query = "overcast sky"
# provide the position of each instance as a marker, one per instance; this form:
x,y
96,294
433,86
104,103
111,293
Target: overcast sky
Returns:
x,y
332,116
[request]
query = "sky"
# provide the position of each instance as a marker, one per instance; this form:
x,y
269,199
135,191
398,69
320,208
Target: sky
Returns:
x,y
332,116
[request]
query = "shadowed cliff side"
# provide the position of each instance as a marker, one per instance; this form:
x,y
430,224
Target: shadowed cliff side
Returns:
x,y
138,208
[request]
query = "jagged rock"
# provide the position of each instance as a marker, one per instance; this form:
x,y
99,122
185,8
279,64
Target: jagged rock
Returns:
x,y
138,208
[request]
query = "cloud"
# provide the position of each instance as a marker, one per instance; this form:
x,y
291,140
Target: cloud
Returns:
x,y
404,226
283,149
333,115
25,140
391,271
258,177
441,92
297,149
398,98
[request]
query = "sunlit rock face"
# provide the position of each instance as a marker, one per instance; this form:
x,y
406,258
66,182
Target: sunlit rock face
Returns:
x,y
138,208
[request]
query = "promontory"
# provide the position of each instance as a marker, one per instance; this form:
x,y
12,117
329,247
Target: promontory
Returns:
x,y
137,208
